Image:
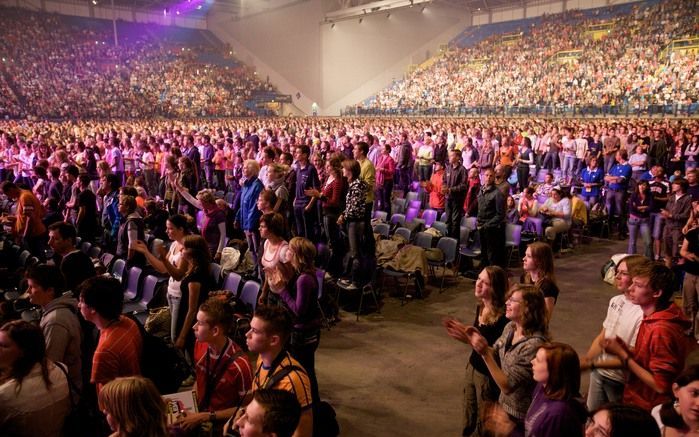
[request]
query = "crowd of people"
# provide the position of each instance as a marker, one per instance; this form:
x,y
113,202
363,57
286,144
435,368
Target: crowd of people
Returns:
x,y
627,67
286,187
79,73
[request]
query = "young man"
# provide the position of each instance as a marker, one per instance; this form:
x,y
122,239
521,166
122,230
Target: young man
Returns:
x,y
272,413
675,214
118,351
491,222
59,320
623,320
269,331
661,345
304,206
223,371
454,188
74,265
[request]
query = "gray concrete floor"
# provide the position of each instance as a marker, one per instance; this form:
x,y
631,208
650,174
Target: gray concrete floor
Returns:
x,y
398,374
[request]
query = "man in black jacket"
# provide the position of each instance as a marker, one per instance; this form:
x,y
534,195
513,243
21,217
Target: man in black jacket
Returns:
x,y
491,222
454,187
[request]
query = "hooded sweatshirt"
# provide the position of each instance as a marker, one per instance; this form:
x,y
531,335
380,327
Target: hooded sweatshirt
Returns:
x,y
661,349
62,331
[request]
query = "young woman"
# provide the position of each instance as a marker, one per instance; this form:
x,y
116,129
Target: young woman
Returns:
x,y
525,157
640,207
511,214
171,262
300,296
516,347
330,197
538,270
134,408
34,392
277,175
557,408
274,253
558,210
621,420
213,226
479,387
681,417
528,205
592,178
266,201
385,169
194,289
353,215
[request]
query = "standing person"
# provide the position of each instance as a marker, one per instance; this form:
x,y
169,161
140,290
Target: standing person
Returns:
x,y
454,188
213,226
331,201
516,347
131,229
425,156
675,215
640,206
194,289
434,187
300,297
59,321
274,257
368,175
27,225
479,386
690,286
306,177
354,216
118,351
661,345
134,408
491,221
623,320
617,179
248,216
404,163
223,370
170,262
525,158
75,266
611,145
557,408
86,221
538,270
385,169
34,391
592,177
659,189
471,198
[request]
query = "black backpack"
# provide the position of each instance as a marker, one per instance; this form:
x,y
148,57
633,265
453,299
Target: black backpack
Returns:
x,y
161,362
324,416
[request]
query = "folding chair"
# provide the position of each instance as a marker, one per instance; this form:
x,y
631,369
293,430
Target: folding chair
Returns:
x,y
513,238
448,247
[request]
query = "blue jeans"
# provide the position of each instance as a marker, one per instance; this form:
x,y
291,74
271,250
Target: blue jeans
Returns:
x,y
634,224
603,390
568,167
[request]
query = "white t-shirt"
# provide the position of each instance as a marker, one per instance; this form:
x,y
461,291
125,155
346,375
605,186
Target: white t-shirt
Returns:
x,y
623,320
174,255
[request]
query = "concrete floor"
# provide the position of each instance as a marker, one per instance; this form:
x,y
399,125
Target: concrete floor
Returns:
x,y
398,374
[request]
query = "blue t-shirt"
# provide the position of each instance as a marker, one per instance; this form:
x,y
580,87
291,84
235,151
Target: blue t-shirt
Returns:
x,y
590,176
623,170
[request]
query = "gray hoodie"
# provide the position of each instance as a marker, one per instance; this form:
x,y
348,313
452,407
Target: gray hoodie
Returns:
x,y
63,334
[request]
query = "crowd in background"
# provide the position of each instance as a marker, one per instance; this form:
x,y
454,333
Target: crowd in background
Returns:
x,y
52,69
625,67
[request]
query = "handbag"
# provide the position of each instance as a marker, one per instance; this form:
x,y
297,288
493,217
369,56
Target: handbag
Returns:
x,y
158,322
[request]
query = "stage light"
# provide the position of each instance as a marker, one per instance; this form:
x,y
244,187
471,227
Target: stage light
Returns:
x,y
199,7
177,12
94,2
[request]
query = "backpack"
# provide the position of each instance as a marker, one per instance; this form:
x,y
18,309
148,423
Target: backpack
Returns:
x,y
161,362
324,416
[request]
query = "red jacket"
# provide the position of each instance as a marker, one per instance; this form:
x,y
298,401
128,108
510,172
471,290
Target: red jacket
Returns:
x,y
661,349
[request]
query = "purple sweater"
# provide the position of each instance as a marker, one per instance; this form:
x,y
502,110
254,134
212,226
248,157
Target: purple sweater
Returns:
x,y
302,300
551,418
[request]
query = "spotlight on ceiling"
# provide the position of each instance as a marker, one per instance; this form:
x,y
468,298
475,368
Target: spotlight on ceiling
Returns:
x,y
199,7
94,2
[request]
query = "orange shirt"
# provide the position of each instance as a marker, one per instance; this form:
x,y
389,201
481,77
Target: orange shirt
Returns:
x,y
295,382
29,209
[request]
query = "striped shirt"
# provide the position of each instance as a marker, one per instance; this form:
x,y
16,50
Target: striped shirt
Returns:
x,y
233,382
118,352
296,381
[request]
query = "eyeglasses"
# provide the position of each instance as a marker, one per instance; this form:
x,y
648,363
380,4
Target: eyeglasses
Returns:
x,y
594,430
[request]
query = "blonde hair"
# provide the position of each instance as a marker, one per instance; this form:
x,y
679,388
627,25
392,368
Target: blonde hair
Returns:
x,y
305,253
136,406
255,166
207,196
